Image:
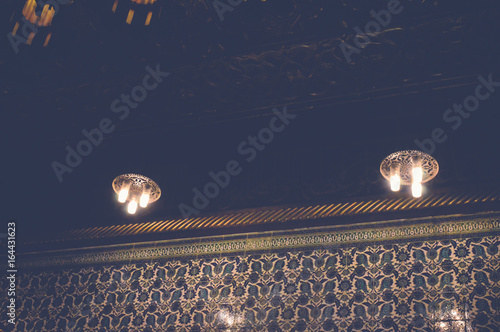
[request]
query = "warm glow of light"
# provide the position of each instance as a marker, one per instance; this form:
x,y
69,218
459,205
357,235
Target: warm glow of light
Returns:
x,y
230,320
144,2
30,38
417,174
143,202
395,182
122,196
124,191
45,18
146,193
130,16
114,6
47,40
395,178
148,18
132,207
14,31
135,190
29,9
416,189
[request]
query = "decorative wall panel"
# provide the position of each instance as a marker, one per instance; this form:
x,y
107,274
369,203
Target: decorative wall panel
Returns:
x,y
375,277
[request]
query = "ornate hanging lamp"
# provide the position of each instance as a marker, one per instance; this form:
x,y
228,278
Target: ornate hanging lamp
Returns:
x,y
137,190
409,168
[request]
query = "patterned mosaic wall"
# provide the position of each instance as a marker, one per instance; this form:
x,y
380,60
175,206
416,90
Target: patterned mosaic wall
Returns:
x,y
356,287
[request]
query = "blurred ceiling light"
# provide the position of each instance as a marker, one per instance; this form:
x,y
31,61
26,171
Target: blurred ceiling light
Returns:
x,y
137,5
135,187
31,15
409,167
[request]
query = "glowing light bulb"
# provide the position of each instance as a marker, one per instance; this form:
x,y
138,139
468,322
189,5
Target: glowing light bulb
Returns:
x,y
230,320
395,183
132,207
143,202
416,189
395,179
122,195
417,174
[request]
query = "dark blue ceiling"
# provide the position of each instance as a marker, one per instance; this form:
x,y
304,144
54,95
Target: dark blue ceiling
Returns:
x,y
225,79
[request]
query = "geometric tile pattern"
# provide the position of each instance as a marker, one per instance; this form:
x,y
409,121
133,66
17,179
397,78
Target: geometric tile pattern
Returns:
x,y
352,287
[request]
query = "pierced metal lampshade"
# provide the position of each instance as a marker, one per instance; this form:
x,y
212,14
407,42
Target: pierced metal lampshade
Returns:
x,y
409,167
136,189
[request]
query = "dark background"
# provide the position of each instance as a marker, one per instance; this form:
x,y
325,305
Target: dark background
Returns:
x,y
225,78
